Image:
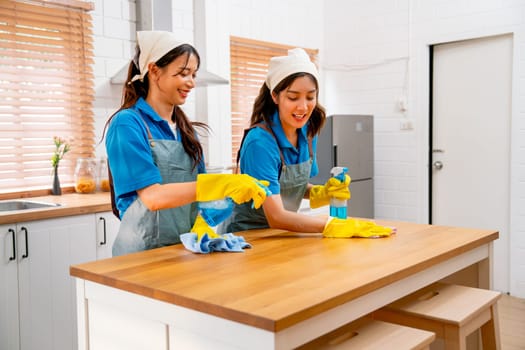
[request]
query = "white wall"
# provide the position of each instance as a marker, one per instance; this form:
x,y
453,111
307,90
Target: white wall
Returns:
x,y
372,55
368,72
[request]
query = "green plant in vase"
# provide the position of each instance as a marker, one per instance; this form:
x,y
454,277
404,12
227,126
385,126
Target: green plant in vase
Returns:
x,y
61,148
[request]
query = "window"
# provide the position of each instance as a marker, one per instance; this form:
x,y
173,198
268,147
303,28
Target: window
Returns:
x,y
46,90
249,64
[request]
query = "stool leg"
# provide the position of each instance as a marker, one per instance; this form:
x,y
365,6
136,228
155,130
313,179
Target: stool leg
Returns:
x,y
454,339
490,331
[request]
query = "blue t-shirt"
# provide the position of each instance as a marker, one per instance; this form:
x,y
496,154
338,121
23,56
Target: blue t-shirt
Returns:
x,y
129,151
260,155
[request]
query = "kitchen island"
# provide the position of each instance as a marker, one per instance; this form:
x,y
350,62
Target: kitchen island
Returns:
x,y
288,289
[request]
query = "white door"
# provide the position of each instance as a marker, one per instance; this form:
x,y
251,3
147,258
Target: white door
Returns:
x,y
471,112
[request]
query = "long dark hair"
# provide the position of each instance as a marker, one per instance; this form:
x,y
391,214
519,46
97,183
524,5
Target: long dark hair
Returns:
x,y
134,89
264,107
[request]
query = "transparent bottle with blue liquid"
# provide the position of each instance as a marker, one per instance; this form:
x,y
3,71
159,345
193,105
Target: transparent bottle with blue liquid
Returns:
x,y
338,207
215,212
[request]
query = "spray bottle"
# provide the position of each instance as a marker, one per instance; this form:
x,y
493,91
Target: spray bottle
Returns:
x,y
338,206
215,212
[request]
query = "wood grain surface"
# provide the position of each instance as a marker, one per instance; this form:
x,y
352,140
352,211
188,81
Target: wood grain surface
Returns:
x,y
285,277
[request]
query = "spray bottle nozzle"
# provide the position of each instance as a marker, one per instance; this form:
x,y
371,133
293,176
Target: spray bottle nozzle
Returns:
x,y
339,172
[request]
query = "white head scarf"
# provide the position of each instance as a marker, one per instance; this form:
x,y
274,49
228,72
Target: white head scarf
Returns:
x,y
153,45
281,67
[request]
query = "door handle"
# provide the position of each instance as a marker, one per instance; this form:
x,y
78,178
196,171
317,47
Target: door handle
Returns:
x,y
438,165
13,235
26,254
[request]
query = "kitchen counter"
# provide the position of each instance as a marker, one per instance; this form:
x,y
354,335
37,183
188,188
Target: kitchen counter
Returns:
x,y
288,289
70,204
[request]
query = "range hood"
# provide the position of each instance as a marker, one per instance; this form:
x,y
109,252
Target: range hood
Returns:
x,y
152,15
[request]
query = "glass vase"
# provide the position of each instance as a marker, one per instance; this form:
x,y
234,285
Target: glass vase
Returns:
x,y
56,190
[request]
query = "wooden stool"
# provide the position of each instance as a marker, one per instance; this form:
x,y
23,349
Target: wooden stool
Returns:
x,y
369,334
452,312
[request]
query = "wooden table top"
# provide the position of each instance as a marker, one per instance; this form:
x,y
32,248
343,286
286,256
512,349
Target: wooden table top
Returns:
x,y
285,277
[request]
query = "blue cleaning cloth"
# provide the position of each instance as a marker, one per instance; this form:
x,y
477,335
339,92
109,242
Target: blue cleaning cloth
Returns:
x,y
228,242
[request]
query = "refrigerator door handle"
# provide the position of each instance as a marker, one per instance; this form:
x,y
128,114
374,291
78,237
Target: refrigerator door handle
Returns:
x,y
335,154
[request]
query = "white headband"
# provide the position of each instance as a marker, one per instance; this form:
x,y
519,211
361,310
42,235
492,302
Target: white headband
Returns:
x,y
153,45
281,67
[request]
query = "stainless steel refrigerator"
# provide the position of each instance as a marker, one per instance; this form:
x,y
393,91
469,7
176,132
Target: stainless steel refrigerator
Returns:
x,y
348,140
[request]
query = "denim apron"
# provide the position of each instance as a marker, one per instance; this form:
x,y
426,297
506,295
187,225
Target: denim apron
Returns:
x,y
293,181
141,228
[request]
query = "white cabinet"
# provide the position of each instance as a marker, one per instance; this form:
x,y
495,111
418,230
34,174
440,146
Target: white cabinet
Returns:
x,y
107,228
37,294
9,335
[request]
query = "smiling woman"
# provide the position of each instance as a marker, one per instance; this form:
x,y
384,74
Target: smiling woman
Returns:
x,y
47,88
249,64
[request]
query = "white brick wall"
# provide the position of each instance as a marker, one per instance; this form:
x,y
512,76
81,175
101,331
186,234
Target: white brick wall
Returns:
x,y
367,73
114,32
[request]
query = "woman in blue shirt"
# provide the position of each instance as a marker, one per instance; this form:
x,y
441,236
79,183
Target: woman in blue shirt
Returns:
x,y
156,161
280,147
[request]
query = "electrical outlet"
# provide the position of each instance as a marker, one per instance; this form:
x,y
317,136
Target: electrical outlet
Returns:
x,y
402,104
406,124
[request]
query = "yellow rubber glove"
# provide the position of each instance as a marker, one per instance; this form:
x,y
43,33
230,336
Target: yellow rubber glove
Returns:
x,y
320,194
200,227
346,228
240,187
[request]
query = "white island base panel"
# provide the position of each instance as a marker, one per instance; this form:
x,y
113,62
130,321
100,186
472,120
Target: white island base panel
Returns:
x,y
110,318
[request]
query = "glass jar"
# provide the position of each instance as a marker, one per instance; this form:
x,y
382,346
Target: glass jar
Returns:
x,y
85,177
103,175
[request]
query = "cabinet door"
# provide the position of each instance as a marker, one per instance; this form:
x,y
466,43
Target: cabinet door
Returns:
x,y
107,230
9,332
46,249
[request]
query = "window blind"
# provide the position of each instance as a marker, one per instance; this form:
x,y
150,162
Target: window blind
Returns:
x,y
46,90
249,64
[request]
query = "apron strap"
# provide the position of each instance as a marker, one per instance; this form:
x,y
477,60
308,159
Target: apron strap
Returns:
x,y
269,130
150,138
310,147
